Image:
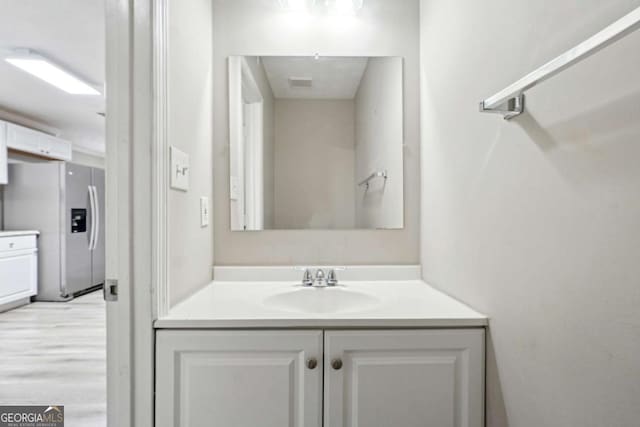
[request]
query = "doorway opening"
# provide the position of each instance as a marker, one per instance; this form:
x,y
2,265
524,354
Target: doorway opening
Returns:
x,y
52,207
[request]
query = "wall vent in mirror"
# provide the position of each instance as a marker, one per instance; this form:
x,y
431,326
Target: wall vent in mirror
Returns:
x,y
300,82
316,143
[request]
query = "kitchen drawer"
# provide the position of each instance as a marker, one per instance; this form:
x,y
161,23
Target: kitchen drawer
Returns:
x,y
14,243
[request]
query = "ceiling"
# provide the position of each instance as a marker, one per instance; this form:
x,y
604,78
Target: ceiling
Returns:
x,y
71,32
332,77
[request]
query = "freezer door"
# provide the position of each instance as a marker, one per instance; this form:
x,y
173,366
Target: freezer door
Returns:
x,y
98,253
78,228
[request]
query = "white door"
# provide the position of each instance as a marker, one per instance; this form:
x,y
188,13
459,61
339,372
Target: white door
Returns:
x,y
127,283
135,207
239,378
408,378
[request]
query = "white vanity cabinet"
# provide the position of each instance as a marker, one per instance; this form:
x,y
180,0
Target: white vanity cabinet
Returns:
x,y
408,378
239,378
365,378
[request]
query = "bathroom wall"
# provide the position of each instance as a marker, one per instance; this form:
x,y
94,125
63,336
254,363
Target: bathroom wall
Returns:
x,y
189,127
535,222
314,164
378,138
383,28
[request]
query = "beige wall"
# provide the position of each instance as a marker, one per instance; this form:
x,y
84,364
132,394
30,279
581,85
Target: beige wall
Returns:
x,y
536,222
314,164
189,117
379,144
384,28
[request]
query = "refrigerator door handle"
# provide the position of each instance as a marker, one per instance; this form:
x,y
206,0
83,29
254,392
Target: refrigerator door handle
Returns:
x,y
92,204
96,204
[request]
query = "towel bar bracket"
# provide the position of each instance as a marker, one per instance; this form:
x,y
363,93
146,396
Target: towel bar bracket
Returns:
x,y
510,109
377,174
510,103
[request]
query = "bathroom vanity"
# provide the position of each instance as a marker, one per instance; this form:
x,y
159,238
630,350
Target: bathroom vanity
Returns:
x,y
371,351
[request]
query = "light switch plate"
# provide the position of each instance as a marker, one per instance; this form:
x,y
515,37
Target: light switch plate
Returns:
x,y
234,188
204,211
179,169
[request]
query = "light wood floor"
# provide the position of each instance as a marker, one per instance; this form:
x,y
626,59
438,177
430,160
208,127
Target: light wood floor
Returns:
x,y
55,353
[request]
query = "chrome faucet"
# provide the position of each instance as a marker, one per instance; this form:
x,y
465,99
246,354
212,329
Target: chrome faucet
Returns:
x,y
321,280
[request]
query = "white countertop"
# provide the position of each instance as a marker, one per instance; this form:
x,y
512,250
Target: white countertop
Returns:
x,y
401,304
13,233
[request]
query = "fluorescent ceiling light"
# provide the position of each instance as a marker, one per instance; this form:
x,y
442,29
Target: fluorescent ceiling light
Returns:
x,y
51,73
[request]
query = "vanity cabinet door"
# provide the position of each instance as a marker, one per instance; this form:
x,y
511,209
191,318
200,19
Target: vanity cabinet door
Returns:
x,y
239,378
408,378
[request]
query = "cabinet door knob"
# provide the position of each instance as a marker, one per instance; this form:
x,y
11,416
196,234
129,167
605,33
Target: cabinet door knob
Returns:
x,y
312,363
336,364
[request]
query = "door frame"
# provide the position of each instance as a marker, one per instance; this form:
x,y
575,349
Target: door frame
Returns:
x,y
246,108
253,166
137,189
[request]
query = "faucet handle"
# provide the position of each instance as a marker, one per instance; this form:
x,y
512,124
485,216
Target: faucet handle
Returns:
x,y
307,278
332,278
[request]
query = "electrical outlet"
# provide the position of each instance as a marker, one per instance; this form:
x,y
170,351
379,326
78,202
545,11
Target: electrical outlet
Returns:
x,y
179,169
204,211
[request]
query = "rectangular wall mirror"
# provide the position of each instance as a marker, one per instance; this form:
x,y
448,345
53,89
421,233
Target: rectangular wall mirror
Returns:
x,y
316,143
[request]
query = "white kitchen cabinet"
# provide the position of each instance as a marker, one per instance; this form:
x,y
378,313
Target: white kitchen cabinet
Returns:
x,y
372,378
30,141
3,153
408,378
239,378
18,268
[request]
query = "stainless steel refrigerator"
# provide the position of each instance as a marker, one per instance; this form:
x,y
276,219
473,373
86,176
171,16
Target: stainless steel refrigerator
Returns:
x,y
65,202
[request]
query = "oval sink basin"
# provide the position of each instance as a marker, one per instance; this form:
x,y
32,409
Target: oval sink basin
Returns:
x,y
321,300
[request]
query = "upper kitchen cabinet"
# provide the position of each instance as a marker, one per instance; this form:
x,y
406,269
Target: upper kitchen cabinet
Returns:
x,y
37,143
